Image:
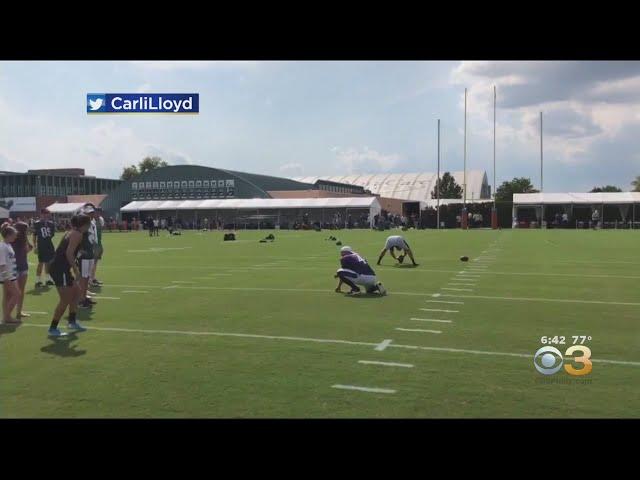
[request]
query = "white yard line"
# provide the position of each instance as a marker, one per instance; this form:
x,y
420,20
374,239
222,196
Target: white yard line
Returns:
x,y
385,364
418,330
383,345
36,313
321,340
444,301
106,298
416,294
460,284
458,289
430,320
364,389
135,291
181,281
438,310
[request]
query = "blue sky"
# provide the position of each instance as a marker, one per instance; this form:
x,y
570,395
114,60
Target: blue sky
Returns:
x,y
326,118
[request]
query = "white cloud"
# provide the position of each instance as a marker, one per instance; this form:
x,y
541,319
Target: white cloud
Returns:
x,y
169,65
364,159
292,168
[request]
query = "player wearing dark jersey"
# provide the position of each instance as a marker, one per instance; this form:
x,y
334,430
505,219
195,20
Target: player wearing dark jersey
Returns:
x,y
43,232
86,257
64,270
354,271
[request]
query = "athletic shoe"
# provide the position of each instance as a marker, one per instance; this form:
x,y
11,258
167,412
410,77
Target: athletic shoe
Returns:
x,y
76,327
54,332
39,285
381,289
84,305
353,291
96,283
90,301
50,283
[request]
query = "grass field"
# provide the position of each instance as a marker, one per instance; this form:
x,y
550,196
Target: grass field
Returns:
x,y
192,326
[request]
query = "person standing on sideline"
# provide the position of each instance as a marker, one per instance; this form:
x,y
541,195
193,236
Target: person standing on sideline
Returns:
x,y
21,248
98,249
8,274
43,232
63,264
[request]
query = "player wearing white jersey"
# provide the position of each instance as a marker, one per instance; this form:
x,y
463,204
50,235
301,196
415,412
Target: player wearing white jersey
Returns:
x,y
397,242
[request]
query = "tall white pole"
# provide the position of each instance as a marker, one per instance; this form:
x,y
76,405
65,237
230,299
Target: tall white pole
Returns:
x,y
541,174
494,146
438,181
464,174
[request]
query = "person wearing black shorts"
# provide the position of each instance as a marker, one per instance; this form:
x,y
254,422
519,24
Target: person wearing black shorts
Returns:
x,y
43,231
64,271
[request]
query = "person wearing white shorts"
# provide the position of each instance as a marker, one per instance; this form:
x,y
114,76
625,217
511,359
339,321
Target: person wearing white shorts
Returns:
x,y
355,272
397,242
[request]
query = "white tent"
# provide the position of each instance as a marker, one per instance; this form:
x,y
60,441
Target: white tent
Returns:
x,y
603,198
4,213
625,201
369,203
65,208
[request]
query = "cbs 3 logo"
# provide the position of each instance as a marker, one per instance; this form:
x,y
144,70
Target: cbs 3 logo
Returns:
x,y
548,360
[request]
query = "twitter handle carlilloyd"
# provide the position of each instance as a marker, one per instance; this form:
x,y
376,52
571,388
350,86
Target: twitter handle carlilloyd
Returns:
x,y
147,103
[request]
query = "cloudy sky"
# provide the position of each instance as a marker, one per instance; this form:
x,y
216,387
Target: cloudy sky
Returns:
x,y
327,118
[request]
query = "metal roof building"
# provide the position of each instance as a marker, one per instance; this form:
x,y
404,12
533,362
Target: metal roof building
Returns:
x,y
410,186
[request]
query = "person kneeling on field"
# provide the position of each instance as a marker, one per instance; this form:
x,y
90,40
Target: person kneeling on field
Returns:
x,y
356,271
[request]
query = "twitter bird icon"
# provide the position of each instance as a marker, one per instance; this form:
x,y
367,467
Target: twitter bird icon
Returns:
x,y
96,103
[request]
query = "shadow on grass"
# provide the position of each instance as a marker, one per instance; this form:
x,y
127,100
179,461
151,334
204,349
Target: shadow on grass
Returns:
x,y
405,265
38,291
7,328
84,314
63,346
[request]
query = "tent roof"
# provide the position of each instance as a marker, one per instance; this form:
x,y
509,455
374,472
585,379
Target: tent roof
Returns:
x,y
65,207
252,204
615,198
4,213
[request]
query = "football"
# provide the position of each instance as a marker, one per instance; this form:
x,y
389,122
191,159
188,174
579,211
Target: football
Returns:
x,y
464,258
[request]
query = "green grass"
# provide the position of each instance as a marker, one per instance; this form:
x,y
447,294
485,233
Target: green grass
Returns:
x,y
285,289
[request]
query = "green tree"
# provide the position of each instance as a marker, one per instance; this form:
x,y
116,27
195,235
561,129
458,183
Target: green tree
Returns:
x,y
606,188
505,192
636,184
151,163
448,187
129,172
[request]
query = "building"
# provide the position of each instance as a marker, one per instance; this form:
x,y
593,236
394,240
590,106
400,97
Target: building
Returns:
x,y
416,187
27,193
192,182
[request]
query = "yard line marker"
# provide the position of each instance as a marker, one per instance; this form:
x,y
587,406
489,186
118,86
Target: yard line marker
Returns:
x,y
364,389
456,283
413,294
386,364
443,301
135,291
106,298
418,330
430,320
383,344
37,313
439,310
323,340
458,289
181,281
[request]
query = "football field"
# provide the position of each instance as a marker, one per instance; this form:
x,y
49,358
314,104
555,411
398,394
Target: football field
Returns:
x,y
191,326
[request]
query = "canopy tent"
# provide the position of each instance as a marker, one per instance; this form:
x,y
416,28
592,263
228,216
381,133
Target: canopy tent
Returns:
x,y
433,203
579,201
65,208
371,204
4,213
602,198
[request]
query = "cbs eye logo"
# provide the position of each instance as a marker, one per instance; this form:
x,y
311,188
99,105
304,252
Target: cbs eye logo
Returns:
x,y
549,360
